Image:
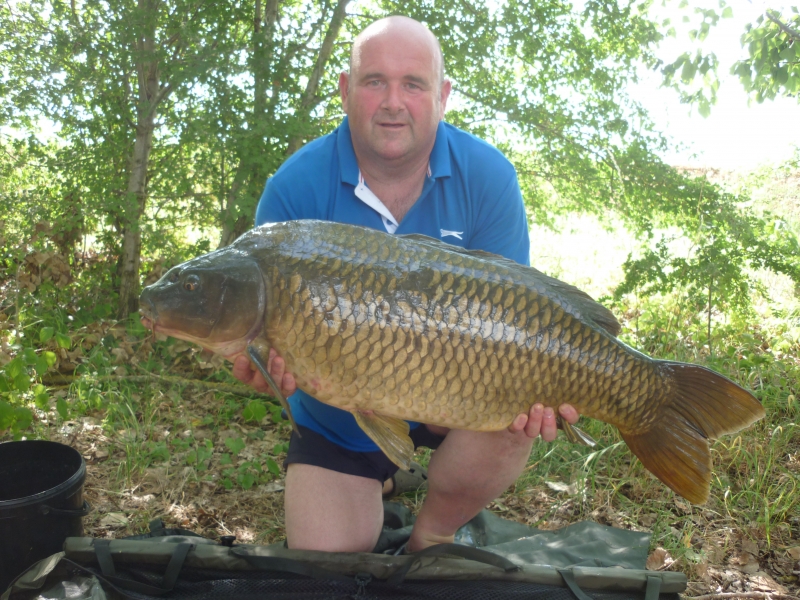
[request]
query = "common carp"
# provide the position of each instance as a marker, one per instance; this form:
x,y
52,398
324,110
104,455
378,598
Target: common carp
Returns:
x,y
394,327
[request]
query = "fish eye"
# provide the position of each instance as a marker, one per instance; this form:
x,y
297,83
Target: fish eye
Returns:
x,y
191,283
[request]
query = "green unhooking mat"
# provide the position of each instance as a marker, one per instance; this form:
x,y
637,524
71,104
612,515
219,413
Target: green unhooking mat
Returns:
x,y
492,559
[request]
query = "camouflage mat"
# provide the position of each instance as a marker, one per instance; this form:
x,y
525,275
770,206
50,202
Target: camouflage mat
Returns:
x,y
492,558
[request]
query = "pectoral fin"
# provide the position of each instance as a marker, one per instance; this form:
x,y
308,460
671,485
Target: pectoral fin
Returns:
x,y
256,353
391,436
573,434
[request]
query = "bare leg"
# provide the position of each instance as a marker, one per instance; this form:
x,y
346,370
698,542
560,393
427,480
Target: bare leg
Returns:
x,y
467,472
331,511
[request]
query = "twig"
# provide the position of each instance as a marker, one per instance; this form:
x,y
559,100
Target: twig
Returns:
x,y
791,32
62,381
768,595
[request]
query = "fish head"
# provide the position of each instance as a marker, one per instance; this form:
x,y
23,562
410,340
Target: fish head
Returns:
x,y
216,301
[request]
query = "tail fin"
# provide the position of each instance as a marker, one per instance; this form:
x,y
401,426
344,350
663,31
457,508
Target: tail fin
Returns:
x,y
703,405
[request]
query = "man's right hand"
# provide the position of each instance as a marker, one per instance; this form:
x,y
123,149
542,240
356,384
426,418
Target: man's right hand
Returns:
x,y
245,372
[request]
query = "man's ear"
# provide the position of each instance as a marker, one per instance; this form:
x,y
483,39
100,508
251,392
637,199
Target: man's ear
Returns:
x,y
344,88
444,94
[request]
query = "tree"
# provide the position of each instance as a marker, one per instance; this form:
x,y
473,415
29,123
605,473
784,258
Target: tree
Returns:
x,y
271,116
773,66
103,74
173,114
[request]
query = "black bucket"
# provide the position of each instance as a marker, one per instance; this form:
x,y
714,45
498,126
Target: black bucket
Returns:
x,y
41,503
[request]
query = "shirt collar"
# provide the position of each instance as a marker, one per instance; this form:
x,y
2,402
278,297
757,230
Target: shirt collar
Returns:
x,y
439,164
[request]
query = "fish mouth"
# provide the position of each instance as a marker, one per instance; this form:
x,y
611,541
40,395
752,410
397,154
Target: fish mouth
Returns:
x,y
148,315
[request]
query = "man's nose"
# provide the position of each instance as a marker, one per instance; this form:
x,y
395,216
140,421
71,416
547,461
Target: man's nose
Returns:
x,y
393,100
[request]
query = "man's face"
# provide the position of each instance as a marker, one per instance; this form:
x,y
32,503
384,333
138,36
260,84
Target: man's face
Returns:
x,y
393,97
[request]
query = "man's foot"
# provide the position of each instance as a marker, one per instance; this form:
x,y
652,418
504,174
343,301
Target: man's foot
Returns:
x,y
416,478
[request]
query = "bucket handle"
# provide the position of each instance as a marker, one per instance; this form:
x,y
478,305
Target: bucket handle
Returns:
x,y
62,512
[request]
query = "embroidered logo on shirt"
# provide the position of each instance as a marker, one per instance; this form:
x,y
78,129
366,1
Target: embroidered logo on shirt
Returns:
x,y
455,234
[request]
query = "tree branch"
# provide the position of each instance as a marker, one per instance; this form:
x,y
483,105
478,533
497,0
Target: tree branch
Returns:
x,y
309,94
64,381
790,31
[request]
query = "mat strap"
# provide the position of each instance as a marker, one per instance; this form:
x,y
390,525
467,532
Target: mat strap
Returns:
x,y
168,580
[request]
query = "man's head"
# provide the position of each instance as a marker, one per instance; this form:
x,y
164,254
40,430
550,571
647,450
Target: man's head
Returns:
x,y
395,94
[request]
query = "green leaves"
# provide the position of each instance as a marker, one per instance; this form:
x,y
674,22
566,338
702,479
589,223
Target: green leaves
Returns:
x,y
248,472
45,333
255,411
772,68
709,264
235,445
14,418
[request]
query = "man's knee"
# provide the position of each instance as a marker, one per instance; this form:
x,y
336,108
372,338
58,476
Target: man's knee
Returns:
x,y
330,511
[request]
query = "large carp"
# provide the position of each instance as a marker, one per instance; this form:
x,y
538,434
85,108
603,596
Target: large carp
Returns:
x,y
394,327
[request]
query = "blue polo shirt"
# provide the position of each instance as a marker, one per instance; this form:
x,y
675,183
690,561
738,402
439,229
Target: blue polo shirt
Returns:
x,y
471,198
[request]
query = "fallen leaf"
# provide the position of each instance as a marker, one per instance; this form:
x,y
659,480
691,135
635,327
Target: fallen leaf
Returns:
x,y
750,546
114,520
272,486
658,560
648,520
794,552
764,583
745,562
558,486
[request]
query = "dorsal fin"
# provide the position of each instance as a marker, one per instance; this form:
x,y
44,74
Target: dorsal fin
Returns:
x,y
582,302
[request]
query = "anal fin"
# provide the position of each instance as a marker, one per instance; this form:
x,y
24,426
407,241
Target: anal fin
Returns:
x,y
391,436
255,352
573,434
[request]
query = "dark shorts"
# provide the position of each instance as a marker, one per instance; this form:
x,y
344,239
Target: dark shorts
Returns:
x,y
315,449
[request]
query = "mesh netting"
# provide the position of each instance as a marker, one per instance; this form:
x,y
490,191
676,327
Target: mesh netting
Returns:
x,y
205,584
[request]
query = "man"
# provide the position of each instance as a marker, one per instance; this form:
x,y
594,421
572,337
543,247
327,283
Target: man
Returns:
x,y
394,165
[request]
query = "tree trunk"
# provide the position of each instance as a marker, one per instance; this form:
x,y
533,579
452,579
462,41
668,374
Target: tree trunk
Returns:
x,y
151,94
235,221
250,177
310,99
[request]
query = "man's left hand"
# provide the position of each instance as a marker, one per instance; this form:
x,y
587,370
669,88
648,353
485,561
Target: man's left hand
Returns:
x,y
541,420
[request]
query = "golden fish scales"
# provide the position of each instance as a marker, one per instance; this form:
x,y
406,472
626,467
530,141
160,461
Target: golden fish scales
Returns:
x,y
462,351
407,327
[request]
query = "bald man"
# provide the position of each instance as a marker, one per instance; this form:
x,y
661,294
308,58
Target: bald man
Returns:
x,y
393,164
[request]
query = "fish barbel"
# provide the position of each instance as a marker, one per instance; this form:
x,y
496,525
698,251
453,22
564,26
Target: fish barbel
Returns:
x,y
394,327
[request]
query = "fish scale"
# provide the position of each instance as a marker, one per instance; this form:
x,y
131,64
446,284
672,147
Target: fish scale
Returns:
x,y
408,327
440,385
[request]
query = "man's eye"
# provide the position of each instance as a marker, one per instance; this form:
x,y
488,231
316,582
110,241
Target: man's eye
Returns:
x,y
374,83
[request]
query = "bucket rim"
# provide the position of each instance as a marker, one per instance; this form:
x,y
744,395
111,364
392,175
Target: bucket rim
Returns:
x,y
75,480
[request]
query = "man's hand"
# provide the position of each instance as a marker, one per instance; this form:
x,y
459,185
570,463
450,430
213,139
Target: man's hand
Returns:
x,y
542,421
244,371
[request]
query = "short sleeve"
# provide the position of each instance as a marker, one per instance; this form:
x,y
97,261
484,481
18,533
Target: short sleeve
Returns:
x,y
501,224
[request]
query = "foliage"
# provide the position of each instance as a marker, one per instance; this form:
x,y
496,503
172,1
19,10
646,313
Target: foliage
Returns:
x,y
546,82
773,46
771,69
705,243
682,73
